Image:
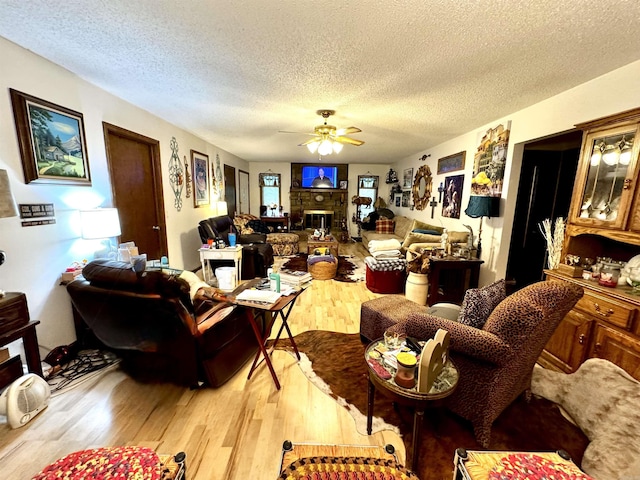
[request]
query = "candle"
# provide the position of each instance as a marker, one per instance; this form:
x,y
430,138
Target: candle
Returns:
x,y
322,222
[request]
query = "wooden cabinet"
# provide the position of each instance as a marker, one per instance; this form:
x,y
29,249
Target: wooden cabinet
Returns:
x,y
604,323
604,221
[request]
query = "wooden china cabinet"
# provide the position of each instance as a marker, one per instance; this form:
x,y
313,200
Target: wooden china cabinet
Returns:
x,y
604,221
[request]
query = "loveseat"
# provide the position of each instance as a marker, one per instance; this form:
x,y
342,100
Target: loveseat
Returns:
x,y
163,325
410,233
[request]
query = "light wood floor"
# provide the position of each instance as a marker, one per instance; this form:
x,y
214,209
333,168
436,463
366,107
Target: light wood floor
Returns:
x,y
232,432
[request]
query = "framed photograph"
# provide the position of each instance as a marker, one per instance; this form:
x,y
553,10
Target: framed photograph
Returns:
x,y
51,140
397,199
201,181
343,184
451,163
407,178
405,198
452,196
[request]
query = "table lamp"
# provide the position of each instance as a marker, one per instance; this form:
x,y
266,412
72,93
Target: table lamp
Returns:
x,y
482,206
101,223
7,207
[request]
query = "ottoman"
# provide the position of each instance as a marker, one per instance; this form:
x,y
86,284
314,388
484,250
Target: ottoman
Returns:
x,y
381,313
385,276
322,267
284,244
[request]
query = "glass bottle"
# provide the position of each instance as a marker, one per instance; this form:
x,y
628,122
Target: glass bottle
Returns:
x,y
609,274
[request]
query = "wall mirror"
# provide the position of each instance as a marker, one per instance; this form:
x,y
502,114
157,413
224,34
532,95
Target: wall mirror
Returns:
x,y
422,184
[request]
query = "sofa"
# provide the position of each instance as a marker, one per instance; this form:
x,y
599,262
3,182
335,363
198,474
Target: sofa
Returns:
x,y
257,254
163,325
411,234
282,243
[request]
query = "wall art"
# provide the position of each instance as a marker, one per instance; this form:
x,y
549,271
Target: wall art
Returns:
x,y
201,182
452,196
51,140
176,174
407,178
490,160
451,163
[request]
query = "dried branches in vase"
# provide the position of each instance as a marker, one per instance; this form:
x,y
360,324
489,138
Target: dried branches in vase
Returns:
x,y
554,239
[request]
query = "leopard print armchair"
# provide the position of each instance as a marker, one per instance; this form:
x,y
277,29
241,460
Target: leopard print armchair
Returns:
x,y
496,362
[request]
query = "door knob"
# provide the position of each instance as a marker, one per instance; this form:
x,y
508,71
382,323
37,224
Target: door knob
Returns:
x,y
156,227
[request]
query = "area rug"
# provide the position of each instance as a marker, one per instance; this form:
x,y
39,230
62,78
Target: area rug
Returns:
x,y
350,268
336,365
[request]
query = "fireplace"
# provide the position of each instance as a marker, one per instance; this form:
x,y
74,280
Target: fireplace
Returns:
x,y
318,218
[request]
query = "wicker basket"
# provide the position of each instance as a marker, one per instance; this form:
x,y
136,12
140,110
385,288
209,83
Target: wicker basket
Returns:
x,y
323,270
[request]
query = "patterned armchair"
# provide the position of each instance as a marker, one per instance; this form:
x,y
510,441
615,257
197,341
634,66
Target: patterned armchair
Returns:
x,y
496,361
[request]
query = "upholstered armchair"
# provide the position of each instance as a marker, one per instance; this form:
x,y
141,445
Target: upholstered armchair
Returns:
x,y
496,360
257,254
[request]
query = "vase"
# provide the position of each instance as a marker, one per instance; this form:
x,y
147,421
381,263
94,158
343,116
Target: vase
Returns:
x,y
417,287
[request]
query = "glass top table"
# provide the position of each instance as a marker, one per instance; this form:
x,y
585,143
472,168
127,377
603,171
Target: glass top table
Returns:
x,y
443,386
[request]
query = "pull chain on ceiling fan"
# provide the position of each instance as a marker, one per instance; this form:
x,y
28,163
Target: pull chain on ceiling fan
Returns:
x,y
328,139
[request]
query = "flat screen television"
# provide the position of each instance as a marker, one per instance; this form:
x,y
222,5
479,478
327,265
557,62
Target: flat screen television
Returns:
x,y
319,176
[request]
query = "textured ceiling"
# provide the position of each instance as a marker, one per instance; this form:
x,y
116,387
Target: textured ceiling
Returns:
x,y
411,74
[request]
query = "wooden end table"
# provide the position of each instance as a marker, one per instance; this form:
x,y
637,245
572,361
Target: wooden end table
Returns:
x,y
233,254
332,245
444,386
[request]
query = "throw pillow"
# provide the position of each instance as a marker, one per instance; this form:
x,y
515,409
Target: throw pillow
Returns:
x,y
385,225
458,237
425,226
420,238
257,226
478,303
428,232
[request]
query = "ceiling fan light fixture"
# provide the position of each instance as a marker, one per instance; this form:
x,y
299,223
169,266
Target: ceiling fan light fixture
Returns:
x,y
337,147
313,146
325,147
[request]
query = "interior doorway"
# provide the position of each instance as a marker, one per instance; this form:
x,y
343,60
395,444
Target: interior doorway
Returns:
x,y
230,189
244,205
136,182
544,191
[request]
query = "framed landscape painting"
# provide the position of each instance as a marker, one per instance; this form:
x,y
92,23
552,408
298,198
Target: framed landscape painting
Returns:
x,y
51,140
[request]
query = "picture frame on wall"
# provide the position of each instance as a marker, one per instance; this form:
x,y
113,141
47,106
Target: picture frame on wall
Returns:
x,y
201,180
397,199
406,195
344,184
407,178
452,196
451,163
52,141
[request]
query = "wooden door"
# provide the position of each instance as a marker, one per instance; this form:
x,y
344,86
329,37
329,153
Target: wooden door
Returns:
x,y
244,205
230,189
136,182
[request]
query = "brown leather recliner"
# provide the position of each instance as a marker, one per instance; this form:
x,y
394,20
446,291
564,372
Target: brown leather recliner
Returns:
x,y
257,254
151,321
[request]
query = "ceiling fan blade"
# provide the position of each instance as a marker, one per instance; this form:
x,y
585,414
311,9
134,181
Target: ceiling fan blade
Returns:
x,y
315,139
350,141
299,133
347,131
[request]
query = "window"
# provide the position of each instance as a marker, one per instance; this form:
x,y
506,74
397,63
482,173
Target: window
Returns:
x,y
367,187
269,192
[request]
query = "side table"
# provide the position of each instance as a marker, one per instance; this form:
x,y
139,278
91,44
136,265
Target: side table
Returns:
x,y
15,324
444,386
233,254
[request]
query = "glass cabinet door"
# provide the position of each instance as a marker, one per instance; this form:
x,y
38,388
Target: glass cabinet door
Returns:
x,y
606,176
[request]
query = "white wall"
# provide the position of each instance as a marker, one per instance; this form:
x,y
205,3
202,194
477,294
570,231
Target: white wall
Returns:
x,y
37,255
614,92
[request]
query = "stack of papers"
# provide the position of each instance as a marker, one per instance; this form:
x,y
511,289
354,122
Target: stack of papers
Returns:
x,y
262,297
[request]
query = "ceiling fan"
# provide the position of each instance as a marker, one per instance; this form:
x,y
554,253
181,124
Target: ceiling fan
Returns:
x,y
328,139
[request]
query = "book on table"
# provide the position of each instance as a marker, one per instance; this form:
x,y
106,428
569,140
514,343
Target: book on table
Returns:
x,y
294,278
265,298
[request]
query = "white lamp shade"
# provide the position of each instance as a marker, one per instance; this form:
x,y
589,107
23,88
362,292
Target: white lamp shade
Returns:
x,y
100,223
337,147
7,203
313,146
221,208
325,147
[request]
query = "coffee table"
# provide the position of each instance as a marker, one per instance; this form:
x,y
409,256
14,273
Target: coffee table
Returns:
x,y
444,386
332,245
